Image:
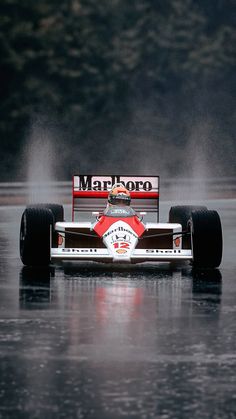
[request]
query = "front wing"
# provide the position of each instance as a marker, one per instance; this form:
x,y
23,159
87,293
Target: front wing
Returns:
x,y
138,255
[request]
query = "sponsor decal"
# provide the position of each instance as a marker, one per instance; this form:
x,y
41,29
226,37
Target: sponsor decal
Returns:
x,y
60,239
72,250
121,242
119,211
118,230
123,237
104,183
177,241
121,251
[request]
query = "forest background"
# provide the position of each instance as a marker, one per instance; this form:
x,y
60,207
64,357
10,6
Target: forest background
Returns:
x,y
138,86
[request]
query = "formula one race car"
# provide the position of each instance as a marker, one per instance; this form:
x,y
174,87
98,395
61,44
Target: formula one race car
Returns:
x,y
119,233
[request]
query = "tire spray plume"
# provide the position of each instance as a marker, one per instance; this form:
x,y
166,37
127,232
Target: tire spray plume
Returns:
x,y
40,157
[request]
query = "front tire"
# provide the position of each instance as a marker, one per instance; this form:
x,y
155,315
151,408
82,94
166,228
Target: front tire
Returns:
x,y
58,215
36,224
56,209
181,214
207,241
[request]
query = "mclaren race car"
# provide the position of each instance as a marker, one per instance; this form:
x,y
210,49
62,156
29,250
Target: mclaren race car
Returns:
x,y
119,227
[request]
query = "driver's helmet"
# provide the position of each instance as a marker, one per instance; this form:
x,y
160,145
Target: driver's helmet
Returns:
x,y
119,195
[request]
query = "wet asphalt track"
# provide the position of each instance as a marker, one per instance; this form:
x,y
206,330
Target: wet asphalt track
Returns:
x,y
91,342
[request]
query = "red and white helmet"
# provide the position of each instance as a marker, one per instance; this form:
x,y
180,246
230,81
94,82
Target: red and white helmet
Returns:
x,y
119,195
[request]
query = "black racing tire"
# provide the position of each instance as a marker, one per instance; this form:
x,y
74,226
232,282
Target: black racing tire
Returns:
x,y
58,215
207,240
36,224
57,210
181,214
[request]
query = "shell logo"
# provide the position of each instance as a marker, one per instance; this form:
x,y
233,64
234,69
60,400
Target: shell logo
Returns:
x,y
121,251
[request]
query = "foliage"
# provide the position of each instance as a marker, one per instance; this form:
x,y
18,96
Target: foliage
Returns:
x,y
86,64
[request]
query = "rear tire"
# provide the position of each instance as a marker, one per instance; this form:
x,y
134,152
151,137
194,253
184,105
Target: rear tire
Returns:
x,y
181,214
35,236
206,236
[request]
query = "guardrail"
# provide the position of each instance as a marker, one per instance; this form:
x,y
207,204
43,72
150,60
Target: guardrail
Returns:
x,y
13,193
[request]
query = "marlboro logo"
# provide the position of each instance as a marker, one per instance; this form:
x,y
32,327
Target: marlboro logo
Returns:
x,y
105,183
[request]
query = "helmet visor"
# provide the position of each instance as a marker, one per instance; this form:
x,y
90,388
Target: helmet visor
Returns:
x,y
119,200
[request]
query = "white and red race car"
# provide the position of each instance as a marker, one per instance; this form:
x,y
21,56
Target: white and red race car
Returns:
x,y
120,234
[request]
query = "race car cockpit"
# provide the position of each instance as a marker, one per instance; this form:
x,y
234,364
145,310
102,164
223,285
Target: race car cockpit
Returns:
x,y
119,211
118,204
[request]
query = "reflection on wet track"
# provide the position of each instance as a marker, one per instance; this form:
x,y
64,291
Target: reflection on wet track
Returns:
x,y
88,341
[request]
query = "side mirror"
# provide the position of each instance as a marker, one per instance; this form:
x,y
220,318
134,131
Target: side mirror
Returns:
x,y
96,214
142,213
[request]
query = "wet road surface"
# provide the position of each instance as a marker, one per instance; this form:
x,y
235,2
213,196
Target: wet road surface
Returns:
x,y
85,341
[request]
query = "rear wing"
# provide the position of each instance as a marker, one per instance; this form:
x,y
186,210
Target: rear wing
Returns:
x,y
90,193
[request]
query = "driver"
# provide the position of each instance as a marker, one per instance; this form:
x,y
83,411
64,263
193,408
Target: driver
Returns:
x,y
119,196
